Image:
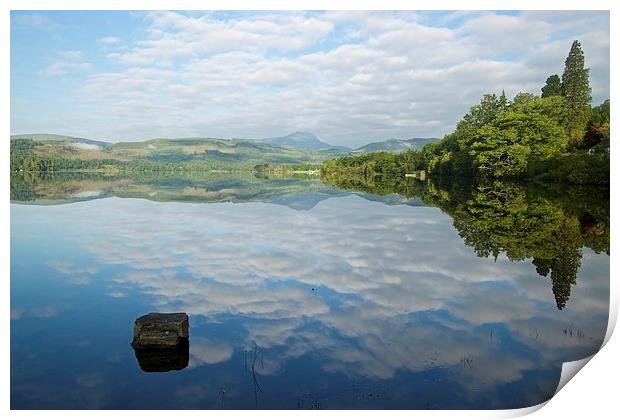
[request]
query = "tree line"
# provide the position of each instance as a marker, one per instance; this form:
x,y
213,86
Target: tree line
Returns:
x,y
550,136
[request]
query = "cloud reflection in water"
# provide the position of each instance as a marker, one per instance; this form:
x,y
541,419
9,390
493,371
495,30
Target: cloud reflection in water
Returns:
x,y
361,288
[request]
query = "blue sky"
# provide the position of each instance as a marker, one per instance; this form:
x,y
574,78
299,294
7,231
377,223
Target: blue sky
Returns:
x,y
349,77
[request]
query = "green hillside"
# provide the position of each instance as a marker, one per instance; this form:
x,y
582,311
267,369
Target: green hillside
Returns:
x,y
46,152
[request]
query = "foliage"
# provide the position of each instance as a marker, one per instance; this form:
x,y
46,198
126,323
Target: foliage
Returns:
x,y
370,165
599,125
600,114
523,98
26,158
553,86
580,168
487,110
527,131
495,140
528,137
577,93
266,168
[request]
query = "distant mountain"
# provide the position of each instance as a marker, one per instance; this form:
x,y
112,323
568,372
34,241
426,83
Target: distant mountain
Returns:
x,y
302,140
395,145
211,153
206,152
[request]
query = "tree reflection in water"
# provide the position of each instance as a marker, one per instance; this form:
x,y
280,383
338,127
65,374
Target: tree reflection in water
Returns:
x,y
549,226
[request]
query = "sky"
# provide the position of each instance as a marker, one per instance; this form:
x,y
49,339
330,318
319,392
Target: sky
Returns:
x,y
348,77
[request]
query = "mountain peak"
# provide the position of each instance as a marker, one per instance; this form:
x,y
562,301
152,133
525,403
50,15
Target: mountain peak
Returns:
x,y
304,140
395,145
303,133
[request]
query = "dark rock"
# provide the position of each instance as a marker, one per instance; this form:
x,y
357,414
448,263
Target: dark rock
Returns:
x,y
163,359
157,330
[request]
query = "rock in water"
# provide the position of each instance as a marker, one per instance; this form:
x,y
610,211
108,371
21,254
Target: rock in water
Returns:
x,y
157,330
163,359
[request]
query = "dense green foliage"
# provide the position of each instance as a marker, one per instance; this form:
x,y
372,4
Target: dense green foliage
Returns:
x,y
579,167
378,173
527,130
270,169
25,158
599,125
553,87
22,156
390,168
521,139
600,116
577,92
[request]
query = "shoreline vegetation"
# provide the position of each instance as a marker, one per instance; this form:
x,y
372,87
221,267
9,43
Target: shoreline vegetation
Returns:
x,y
554,137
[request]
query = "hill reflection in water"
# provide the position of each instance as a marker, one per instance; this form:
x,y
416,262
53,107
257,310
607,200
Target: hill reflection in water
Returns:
x,y
447,297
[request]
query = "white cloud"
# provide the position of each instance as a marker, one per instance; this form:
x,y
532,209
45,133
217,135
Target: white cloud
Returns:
x,y
34,20
174,35
204,351
60,68
350,77
66,62
71,55
503,35
110,40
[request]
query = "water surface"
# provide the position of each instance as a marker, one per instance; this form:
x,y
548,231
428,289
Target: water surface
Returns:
x,y
302,294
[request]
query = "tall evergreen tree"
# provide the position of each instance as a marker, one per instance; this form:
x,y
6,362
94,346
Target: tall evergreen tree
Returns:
x,y
503,101
553,87
577,92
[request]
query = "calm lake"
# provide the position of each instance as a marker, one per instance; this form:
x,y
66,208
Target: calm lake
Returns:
x,y
303,295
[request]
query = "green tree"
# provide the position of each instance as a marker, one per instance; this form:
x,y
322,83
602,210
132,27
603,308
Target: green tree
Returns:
x,y
503,101
600,114
599,125
577,93
523,98
528,130
487,110
553,87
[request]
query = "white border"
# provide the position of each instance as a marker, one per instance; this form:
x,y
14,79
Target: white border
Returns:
x,y
592,394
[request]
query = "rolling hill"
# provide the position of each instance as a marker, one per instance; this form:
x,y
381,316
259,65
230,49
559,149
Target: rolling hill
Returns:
x,y
57,152
208,153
